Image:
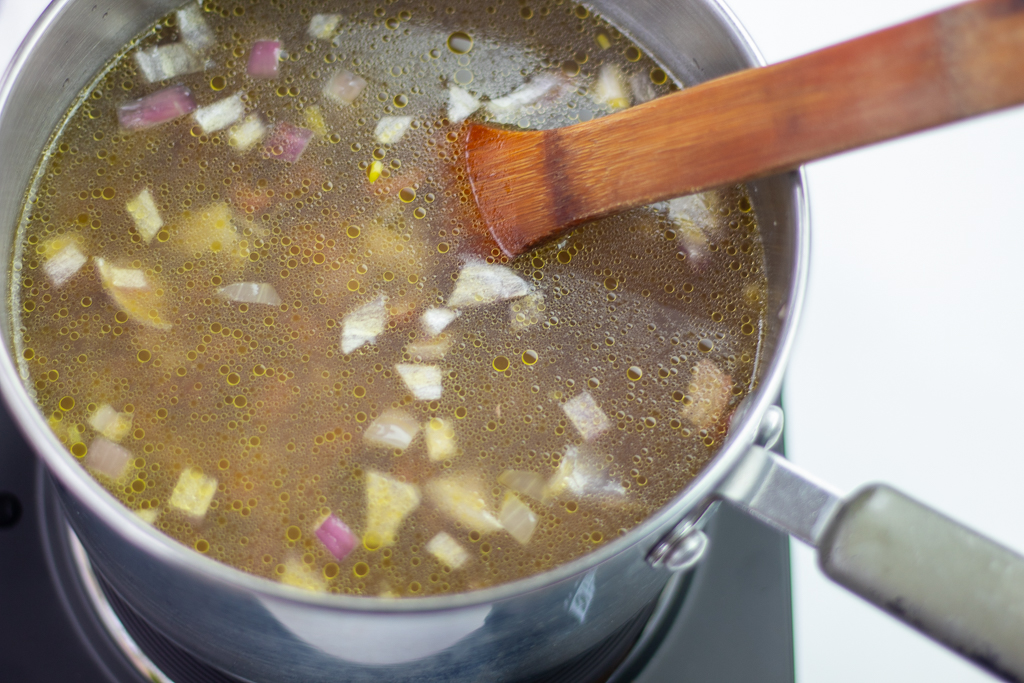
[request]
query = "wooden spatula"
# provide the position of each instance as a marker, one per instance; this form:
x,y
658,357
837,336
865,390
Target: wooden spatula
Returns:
x,y
948,66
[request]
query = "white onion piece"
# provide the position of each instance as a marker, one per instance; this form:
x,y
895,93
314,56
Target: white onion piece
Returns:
x,y
610,90
430,349
156,108
447,550
464,499
220,114
440,438
106,457
301,575
708,395
541,89
145,215
436,319
393,429
193,29
251,293
482,283
582,476
161,62
643,90
110,423
517,519
526,311
527,483
424,381
460,104
586,416
388,502
193,492
264,58
362,325
148,515
63,264
690,209
246,134
344,87
390,129
323,26
132,290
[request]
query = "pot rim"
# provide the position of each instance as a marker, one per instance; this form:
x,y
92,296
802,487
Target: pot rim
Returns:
x,y
132,529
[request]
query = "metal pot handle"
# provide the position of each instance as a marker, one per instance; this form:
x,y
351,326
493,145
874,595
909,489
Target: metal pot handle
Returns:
x,y
934,574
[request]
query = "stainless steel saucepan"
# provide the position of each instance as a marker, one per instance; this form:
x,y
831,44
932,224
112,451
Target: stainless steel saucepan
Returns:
x,y
939,577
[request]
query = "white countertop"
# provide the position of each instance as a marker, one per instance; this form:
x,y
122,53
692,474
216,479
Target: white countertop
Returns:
x,y
904,370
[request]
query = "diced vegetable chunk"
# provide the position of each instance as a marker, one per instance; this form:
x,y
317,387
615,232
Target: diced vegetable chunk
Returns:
x,y
251,293
376,168
344,87
707,395
156,108
586,416
323,26
640,85
146,216
220,114
388,503
287,142
393,429
246,134
63,260
580,475
424,381
167,61
527,311
436,319
541,89
440,437
461,104
297,573
464,499
193,492
264,58
362,325
482,283
131,289
336,537
314,118
207,232
148,515
447,550
110,423
430,349
610,89
106,457
193,29
390,129
527,483
517,518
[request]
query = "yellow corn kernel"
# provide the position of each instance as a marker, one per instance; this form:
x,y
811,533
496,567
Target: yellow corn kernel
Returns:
x,y
375,170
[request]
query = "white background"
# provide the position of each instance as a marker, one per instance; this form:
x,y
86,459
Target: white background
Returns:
x,y
908,364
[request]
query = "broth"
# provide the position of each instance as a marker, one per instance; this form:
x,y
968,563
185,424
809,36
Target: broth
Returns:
x,y
277,340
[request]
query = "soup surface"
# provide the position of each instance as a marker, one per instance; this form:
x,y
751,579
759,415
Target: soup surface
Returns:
x,y
251,296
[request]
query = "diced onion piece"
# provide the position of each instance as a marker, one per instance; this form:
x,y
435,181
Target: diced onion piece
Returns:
x,y
483,283
264,58
220,114
388,503
193,29
193,492
287,142
156,108
436,319
460,104
209,231
297,573
517,518
692,209
586,416
581,476
336,537
390,129
424,381
323,26
131,289
362,325
430,349
464,500
543,88
65,260
527,483
106,457
447,550
110,423
148,515
167,61
610,89
707,395
393,429
251,293
246,134
315,120
144,213
440,437
526,311
344,87
643,90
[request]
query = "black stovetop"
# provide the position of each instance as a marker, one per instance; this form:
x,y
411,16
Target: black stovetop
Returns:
x,y
732,622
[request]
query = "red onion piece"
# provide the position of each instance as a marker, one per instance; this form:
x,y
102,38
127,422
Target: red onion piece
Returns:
x,y
263,59
288,142
156,108
337,537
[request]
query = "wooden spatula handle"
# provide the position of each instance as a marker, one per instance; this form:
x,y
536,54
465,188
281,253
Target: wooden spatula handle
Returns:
x,y
947,66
